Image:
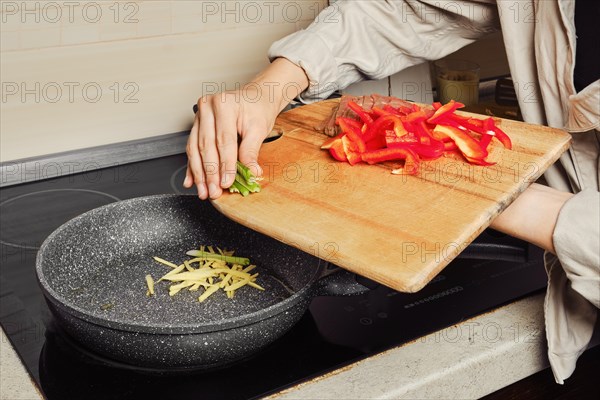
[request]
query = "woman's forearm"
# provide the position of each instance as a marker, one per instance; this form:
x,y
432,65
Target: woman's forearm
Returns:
x,y
281,81
532,216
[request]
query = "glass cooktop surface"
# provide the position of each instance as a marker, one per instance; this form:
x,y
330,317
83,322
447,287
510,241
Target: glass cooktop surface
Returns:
x,y
334,332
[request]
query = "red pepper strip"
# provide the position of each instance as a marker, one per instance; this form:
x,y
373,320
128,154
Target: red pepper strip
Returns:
x,y
351,150
337,150
415,107
392,110
435,150
353,134
426,133
329,142
437,135
363,115
449,146
446,109
351,121
478,161
380,111
474,121
462,123
400,153
380,125
489,125
416,116
437,105
429,132
392,140
404,110
377,142
467,145
485,140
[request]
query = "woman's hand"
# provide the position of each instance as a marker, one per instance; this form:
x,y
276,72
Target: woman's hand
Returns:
x,y
249,112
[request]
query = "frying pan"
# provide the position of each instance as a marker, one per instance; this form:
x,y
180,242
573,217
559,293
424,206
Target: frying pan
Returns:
x,y
92,272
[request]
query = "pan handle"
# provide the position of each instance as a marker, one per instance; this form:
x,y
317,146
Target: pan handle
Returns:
x,y
335,281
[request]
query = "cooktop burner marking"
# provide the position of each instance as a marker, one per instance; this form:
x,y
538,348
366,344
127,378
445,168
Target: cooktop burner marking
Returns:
x,y
177,186
41,192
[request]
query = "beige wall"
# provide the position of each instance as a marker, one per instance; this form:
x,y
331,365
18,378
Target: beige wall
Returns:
x,y
77,74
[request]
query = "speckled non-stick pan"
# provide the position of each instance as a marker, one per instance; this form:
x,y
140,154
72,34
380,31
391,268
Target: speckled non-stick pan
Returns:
x,y
92,271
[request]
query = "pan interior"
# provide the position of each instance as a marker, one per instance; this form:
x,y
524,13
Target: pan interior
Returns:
x,y
96,264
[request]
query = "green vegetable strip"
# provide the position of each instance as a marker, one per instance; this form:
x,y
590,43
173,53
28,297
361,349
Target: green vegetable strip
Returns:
x,y
213,256
251,187
237,187
245,182
245,172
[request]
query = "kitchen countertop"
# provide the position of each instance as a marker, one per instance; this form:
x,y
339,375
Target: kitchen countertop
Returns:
x,y
468,360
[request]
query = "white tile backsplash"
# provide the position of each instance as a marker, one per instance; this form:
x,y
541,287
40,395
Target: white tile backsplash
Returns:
x,y
84,73
111,71
39,38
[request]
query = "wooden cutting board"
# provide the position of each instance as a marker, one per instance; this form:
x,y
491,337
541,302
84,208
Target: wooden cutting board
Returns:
x,y
397,230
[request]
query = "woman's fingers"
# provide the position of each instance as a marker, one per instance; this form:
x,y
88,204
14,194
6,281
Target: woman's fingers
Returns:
x,y
226,140
213,142
195,171
207,146
250,147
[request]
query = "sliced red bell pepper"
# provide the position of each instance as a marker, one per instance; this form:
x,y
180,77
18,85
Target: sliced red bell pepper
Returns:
x,y
447,121
337,150
380,111
485,140
392,140
434,150
449,146
392,110
478,161
353,155
350,121
490,125
446,109
398,153
353,134
377,142
382,124
462,123
329,142
467,144
387,133
362,114
411,160
420,115
425,133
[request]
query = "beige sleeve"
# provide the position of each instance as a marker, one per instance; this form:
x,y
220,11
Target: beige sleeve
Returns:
x,y
577,243
356,40
573,295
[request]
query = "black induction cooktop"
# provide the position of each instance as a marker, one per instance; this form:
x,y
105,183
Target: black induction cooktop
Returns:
x,y
335,332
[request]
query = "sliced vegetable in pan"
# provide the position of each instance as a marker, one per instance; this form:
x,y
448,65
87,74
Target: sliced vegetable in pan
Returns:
x,y
210,270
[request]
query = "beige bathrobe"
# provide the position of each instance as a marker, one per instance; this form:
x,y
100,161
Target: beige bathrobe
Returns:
x,y
355,40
